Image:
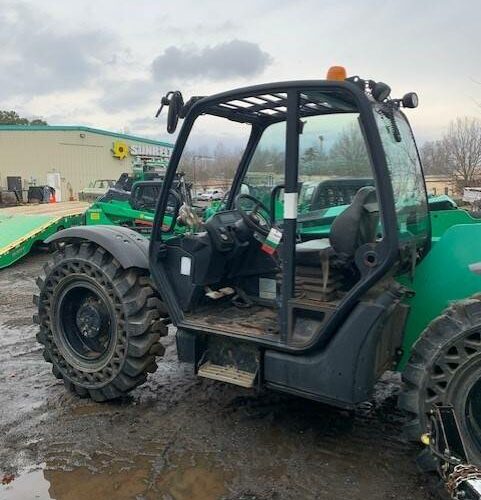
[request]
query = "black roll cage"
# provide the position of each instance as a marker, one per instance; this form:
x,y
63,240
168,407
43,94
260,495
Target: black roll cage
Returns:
x,y
388,248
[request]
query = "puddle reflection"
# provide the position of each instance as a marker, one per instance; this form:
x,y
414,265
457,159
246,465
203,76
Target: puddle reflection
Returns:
x,y
186,477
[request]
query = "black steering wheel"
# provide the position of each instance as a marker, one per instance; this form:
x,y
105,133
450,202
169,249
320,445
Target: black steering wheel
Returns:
x,y
254,219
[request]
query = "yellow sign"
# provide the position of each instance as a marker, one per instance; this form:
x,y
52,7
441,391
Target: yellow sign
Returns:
x,y
120,150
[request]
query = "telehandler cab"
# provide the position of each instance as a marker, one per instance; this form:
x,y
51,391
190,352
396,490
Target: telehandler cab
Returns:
x,y
260,302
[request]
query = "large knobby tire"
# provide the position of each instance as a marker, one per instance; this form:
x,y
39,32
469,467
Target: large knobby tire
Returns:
x,y
445,368
100,324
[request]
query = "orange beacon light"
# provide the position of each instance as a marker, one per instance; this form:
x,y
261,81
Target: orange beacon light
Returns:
x,y
336,73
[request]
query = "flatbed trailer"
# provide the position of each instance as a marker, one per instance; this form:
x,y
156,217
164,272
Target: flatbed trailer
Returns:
x,y
23,226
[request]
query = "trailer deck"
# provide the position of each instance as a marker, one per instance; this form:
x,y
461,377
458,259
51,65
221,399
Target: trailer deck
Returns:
x,y
23,226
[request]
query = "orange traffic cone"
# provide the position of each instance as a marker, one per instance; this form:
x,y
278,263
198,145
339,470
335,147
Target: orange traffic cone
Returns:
x,y
52,198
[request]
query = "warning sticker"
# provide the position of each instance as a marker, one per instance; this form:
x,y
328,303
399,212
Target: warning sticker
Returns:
x,y
272,241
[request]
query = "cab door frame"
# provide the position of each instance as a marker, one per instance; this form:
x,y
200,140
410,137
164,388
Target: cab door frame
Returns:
x,y
386,250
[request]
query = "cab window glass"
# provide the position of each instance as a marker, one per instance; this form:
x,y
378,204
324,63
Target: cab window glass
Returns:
x,y
406,173
333,161
333,166
211,156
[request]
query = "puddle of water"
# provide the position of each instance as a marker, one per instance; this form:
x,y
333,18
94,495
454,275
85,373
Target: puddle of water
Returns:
x,y
187,477
29,486
78,484
81,484
193,478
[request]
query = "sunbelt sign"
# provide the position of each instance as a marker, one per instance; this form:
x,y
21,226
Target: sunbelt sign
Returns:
x,y
120,150
150,150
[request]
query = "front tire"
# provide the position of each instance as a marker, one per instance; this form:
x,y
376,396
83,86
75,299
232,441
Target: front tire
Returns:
x,y
100,324
445,368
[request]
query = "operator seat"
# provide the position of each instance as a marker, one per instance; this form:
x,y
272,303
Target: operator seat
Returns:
x,y
351,229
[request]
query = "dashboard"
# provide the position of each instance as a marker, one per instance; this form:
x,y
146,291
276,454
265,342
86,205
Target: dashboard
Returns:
x,y
228,230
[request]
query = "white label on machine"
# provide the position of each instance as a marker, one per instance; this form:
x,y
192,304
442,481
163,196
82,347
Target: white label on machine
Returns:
x,y
290,205
185,265
267,288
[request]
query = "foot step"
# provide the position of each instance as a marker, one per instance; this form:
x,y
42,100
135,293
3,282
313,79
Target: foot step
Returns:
x,y
228,374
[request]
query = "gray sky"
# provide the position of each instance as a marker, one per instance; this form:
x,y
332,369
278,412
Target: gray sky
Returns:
x,y
106,63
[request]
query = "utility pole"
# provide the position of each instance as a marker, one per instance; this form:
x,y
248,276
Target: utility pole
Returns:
x,y
194,165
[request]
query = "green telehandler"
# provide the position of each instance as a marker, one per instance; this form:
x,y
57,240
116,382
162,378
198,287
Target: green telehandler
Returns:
x,y
257,301
131,203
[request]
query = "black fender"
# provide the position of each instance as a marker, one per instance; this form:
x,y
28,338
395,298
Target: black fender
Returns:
x,y
130,248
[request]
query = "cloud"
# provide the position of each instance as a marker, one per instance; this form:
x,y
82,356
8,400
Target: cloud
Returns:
x,y
150,127
38,58
234,59
130,94
205,28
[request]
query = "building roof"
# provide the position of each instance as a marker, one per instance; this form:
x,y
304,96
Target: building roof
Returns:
x,y
438,177
77,128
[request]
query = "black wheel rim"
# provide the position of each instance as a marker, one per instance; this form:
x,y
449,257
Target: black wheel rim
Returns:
x,y
473,413
85,322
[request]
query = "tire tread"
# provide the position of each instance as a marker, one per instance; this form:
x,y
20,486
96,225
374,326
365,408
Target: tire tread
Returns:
x,y
143,312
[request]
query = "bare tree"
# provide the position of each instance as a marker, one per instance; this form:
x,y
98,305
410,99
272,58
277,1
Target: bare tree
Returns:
x,y
225,162
268,160
434,158
348,155
207,163
462,144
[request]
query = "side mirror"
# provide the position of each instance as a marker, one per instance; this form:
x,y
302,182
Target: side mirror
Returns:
x,y
410,100
175,102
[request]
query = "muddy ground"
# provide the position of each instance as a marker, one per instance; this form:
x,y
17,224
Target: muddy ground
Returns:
x,y
179,437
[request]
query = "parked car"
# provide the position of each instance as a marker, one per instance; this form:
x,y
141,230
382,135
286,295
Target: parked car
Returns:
x,y
212,194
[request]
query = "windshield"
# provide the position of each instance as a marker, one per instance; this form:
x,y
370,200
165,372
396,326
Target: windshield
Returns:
x,y
406,173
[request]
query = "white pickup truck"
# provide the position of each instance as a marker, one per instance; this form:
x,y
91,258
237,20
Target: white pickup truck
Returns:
x,y
96,188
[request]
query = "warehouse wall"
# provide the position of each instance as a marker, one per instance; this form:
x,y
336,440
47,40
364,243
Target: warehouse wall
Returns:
x,y
79,160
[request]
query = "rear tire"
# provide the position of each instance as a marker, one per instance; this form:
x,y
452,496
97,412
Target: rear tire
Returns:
x,y
100,324
445,368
